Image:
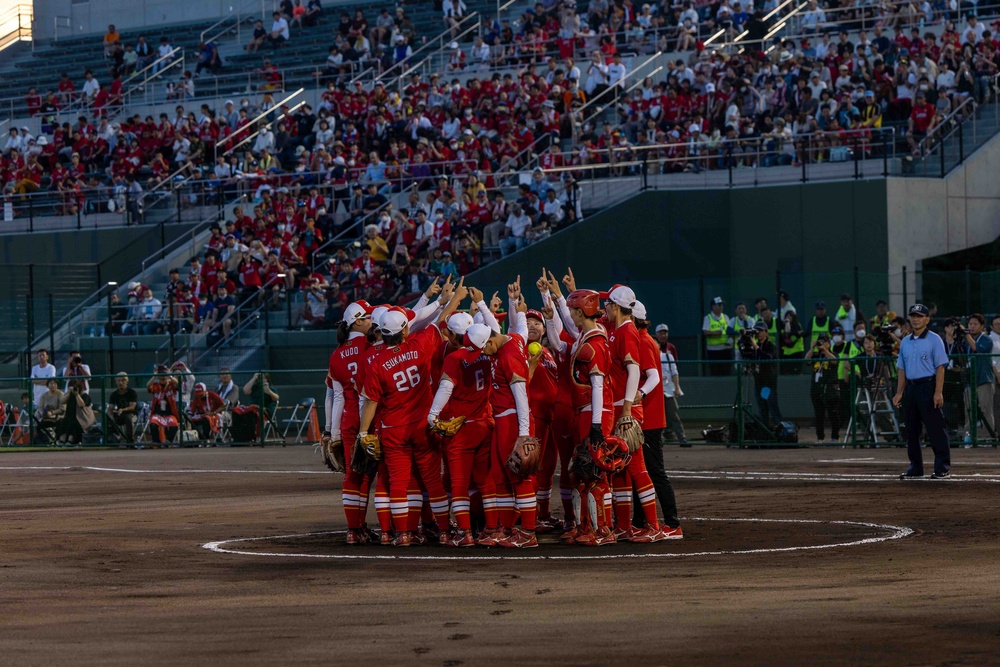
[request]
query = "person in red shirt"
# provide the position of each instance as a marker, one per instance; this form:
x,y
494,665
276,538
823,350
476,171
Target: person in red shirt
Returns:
x,y
922,121
542,392
397,386
343,413
590,364
513,423
464,390
654,421
205,412
211,274
625,374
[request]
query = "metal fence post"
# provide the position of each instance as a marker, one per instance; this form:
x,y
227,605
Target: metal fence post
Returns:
x,y
740,379
961,144
79,218
852,397
885,155
104,411
974,400
263,408
31,214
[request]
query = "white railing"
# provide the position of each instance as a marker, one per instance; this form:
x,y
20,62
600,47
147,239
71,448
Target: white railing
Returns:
x,y
16,26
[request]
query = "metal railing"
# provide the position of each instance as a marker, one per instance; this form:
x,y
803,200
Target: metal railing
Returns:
x,y
16,26
258,120
231,22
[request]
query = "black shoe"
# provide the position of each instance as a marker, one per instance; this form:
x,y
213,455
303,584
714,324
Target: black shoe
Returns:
x,y
685,444
941,475
908,475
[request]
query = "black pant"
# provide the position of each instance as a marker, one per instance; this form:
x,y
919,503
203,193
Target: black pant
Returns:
x,y
770,413
826,407
722,361
652,451
126,424
919,410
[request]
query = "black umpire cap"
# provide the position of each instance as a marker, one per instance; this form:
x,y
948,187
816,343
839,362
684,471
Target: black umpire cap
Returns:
x,y
920,309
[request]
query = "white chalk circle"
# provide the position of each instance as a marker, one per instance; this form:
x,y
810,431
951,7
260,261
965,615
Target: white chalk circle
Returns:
x,y
888,532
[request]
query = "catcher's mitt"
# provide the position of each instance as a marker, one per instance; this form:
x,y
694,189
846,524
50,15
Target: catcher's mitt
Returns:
x,y
612,456
582,465
526,457
449,427
367,453
628,429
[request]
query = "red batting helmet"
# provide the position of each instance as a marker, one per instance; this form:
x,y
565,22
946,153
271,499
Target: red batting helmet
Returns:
x,y
586,300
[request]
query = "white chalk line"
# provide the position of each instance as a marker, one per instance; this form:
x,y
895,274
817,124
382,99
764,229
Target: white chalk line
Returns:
x,y
723,475
894,533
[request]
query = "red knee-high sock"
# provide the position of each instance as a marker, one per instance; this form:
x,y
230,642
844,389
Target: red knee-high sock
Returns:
x,y
351,498
622,484
526,503
415,506
382,505
647,497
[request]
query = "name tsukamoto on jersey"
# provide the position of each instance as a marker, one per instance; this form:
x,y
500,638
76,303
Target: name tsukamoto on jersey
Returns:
x,y
402,357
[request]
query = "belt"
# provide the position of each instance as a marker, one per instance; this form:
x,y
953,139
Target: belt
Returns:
x,y
920,381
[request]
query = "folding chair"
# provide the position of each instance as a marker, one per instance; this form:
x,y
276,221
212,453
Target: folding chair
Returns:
x,y
299,423
270,428
141,422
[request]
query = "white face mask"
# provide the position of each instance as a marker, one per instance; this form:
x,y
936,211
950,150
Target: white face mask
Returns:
x,y
838,339
898,332
859,334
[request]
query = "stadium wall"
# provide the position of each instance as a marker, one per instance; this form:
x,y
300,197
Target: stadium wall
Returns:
x,y
929,217
678,249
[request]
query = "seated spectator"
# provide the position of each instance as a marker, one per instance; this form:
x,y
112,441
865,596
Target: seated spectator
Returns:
x,y
205,412
122,408
149,311
112,42
515,229
278,34
257,39
164,419
50,407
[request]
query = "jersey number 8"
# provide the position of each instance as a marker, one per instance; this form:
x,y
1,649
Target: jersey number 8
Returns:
x,y
406,380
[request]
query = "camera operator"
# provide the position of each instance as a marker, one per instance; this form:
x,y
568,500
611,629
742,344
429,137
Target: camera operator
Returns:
x,y
75,368
825,387
980,343
78,415
954,373
122,407
763,350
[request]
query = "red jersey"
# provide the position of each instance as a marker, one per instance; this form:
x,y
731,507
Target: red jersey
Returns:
x,y
345,362
922,115
400,380
470,371
654,414
590,356
510,361
543,387
624,345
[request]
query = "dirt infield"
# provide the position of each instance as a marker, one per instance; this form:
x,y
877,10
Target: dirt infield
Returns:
x,y
103,560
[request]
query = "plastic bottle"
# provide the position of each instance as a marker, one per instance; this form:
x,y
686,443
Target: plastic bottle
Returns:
x,y
93,332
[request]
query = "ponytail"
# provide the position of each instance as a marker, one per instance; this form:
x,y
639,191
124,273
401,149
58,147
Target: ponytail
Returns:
x,y
342,333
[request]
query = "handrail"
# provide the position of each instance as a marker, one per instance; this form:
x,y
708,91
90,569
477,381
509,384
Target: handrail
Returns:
x,y
628,75
440,51
413,56
147,79
16,13
261,115
344,232
280,117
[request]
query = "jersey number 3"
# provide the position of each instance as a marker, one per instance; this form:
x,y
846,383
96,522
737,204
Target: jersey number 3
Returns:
x,y
408,379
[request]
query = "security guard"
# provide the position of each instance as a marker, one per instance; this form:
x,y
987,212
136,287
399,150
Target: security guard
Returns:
x,y
820,323
770,323
844,351
920,392
718,348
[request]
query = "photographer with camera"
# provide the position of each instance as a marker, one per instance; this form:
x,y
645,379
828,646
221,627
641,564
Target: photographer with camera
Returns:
x,y
75,368
825,387
980,343
78,415
760,348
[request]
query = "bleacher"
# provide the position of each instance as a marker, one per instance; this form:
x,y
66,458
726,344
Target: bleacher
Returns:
x,y
305,51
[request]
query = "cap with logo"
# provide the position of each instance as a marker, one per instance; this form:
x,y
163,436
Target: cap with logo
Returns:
x,y
717,301
622,296
393,321
477,335
353,313
459,323
920,309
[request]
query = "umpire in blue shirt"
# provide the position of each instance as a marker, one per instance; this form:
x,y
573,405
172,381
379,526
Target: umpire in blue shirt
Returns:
x,y
919,391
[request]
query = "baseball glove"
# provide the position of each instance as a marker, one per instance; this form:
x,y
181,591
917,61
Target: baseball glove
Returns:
x,y
526,457
335,455
582,466
628,429
449,427
367,453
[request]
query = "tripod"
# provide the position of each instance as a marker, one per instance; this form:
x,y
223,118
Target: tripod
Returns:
x,y
746,421
872,400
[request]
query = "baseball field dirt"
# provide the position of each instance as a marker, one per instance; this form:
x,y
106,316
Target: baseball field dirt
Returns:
x,y
791,557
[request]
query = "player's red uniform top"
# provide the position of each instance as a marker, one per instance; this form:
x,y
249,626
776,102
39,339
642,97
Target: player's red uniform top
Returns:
x,y
590,356
345,364
544,387
654,415
509,361
470,371
400,380
564,371
624,345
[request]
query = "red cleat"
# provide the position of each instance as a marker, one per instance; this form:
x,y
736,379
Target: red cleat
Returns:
x,y
462,538
491,537
354,538
586,537
643,535
519,538
572,530
668,533
547,524
605,536
404,539
386,539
